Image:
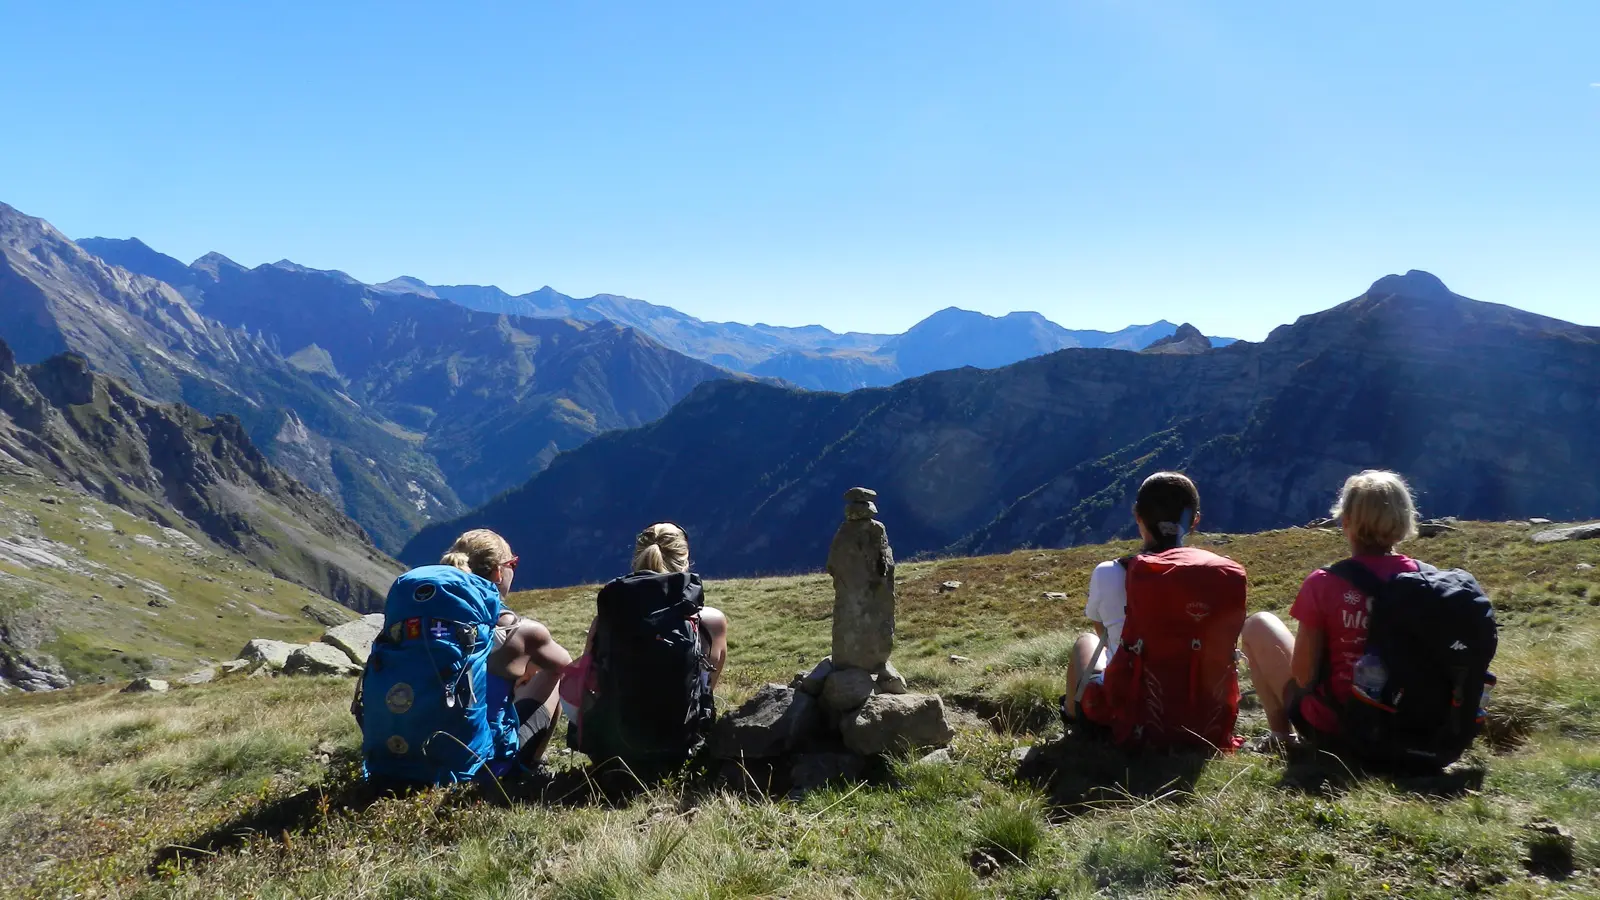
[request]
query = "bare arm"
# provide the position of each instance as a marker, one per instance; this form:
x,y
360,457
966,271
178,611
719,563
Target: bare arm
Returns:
x,y
528,642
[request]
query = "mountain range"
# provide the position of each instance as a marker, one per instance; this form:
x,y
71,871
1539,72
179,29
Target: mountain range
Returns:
x,y
812,356
1490,411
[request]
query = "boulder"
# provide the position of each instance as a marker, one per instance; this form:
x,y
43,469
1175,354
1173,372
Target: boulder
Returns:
x,y
889,680
946,587
320,659
200,675
1433,528
1538,520
274,653
809,771
232,666
145,684
812,683
771,723
896,722
1570,533
846,689
355,638
939,757
324,616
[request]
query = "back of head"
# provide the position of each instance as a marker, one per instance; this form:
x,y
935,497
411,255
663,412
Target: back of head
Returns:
x,y
479,551
1376,509
1168,504
661,548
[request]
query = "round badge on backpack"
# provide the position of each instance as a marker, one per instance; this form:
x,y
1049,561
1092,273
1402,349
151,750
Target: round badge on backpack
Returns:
x,y
399,698
424,593
397,745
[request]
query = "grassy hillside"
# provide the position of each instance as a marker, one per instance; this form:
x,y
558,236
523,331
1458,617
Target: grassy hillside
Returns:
x,y
111,595
254,778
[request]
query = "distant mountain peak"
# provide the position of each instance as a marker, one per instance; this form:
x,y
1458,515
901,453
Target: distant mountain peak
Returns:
x,y
1187,339
1414,283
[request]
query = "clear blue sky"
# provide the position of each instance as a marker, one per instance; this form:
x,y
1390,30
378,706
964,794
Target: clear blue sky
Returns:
x,y
860,165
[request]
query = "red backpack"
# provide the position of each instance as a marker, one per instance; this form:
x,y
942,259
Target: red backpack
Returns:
x,y
1174,680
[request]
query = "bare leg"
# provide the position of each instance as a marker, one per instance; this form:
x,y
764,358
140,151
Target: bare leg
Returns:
x,y
1269,649
540,689
716,626
1082,650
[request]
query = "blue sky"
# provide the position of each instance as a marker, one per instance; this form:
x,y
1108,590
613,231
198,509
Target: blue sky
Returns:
x,y
861,165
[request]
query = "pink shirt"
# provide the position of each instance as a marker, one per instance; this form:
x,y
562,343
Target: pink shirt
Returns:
x,y
1335,606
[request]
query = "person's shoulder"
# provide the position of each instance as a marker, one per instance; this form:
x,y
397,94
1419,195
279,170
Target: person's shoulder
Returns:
x,y
1110,565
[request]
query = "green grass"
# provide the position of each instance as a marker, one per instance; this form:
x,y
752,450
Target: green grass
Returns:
x,y
96,787
103,617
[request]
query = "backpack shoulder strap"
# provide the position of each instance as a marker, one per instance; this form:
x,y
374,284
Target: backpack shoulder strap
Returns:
x,y
1358,575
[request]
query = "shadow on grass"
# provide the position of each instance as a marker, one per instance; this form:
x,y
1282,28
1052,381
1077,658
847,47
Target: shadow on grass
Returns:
x,y
345,791
1081,774
1328,770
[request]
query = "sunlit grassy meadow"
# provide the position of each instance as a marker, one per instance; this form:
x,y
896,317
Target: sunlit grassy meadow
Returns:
x,y
247,787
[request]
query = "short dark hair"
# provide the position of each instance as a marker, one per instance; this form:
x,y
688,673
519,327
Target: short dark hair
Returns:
x,y
1162,499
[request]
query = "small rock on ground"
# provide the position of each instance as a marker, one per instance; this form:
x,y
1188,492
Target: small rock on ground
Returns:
x,y
1571,533
320,659
146,685
355,638
200,675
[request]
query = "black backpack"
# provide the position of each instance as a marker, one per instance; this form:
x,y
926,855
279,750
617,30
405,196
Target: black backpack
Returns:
x,y
1435,633
648,698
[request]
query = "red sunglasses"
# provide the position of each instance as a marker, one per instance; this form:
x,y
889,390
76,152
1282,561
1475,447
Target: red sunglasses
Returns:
x,y
512,563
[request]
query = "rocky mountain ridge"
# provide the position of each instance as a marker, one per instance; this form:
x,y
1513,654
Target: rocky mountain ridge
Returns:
x,y
811,356
177,468
1494,416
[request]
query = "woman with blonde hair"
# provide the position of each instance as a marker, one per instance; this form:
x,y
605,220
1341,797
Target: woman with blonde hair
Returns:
x,y
1303,680
526,663
642,691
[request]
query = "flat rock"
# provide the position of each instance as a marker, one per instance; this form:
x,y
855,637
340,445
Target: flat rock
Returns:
x,y
860,495
1433,529
274,653
200,676
233,666
320,659
355,638
897,722
946,587
143,685
1054,595
770,724
939,757
846,689
1538,520
1570,533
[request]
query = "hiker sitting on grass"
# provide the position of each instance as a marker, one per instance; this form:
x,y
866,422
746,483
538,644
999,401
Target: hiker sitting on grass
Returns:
x,y
526,662
1391,661
642,691
457,687
1159,669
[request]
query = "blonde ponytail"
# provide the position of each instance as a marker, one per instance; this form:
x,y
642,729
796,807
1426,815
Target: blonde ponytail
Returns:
x,y
479,551
661,548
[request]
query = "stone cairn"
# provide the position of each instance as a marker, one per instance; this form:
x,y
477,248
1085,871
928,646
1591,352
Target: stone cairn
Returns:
x,y
853,707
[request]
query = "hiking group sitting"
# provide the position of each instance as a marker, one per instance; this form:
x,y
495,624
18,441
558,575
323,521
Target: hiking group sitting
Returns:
x,y
1390,665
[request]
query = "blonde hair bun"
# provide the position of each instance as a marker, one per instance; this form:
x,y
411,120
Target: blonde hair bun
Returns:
x,y
661,548
479,551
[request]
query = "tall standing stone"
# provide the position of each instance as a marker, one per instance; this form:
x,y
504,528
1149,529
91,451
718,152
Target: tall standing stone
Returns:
x,y
862,566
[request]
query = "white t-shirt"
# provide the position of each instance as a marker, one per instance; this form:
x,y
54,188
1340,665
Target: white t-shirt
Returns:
x,y
1108,602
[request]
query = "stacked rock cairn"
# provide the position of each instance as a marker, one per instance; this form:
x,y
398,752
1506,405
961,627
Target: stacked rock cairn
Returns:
x,y
853,706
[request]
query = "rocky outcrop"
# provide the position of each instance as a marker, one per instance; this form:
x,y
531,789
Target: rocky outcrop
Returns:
x,y
853,705
174,466
275,654
1187,339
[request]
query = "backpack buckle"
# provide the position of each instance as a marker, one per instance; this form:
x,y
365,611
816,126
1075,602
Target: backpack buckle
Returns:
x,y
1195,644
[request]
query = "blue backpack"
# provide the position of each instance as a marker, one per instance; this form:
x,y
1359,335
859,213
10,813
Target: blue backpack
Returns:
x,y
429,710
